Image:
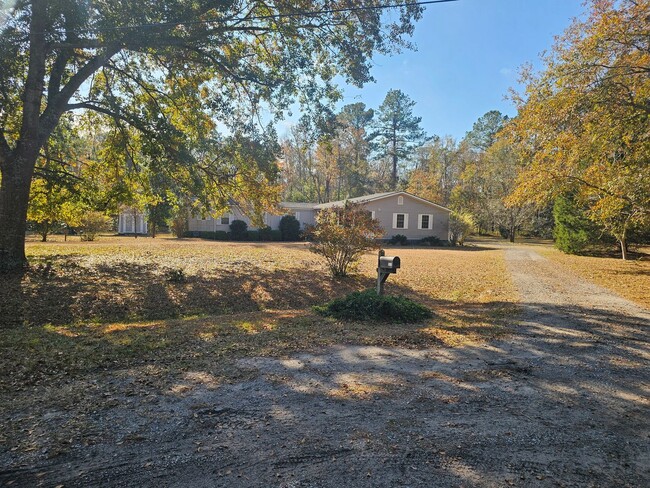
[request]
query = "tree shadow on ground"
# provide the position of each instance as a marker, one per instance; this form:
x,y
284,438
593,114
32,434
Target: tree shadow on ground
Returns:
x,y
66,292
560,401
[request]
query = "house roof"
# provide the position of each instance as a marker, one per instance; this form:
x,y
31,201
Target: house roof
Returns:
x,y
377,196
298,205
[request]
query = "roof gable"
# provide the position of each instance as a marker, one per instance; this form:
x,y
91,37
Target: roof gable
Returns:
x,y
379,196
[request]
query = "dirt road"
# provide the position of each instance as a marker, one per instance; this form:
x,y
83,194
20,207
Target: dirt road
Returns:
x,y
563,401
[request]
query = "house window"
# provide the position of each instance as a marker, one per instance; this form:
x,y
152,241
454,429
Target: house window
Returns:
x,y
225,220
298,216
426,221
372,214
400,200
400,221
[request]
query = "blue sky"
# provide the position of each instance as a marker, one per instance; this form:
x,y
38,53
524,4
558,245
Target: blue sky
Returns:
x,y
468,55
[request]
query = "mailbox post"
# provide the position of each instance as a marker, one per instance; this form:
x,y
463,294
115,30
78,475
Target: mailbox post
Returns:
x,y
386,265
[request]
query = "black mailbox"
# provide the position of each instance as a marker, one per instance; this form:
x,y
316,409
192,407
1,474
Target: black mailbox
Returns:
x,y
386,266
389,264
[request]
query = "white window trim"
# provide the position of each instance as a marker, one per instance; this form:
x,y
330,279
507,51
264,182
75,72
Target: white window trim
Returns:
x,y
297,216
372,214
406,221
228,215
400,200
420,221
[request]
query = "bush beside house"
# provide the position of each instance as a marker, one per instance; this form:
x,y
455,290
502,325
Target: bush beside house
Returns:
x,y
289,228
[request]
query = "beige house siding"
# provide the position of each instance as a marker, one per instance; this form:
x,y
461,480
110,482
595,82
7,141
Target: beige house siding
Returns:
x,y
209,223
387,209
397,212
305,217
197,223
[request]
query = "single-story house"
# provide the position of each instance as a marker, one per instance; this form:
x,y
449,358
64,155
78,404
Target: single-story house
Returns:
x,y
304,213
398,212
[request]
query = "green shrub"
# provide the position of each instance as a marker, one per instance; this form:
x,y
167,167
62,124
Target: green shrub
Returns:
x,y
400,239
238,230
253,235
92,223
367,305
573,231
431,241
289,228
460,226
219,235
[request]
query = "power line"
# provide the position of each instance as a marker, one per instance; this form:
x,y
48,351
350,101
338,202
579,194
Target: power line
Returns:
x,y
262,17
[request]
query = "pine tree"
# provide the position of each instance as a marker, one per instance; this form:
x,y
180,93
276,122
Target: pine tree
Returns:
x,y
397,131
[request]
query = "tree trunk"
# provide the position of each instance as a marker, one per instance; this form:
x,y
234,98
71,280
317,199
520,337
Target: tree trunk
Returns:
x,y
14,198
623,244
394,175
17,166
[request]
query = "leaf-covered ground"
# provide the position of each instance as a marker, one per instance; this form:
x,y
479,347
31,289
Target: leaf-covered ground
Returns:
x,y
120,302
266,393
630,279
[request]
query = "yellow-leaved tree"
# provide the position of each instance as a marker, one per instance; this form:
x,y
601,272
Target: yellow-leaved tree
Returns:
x,y
583,123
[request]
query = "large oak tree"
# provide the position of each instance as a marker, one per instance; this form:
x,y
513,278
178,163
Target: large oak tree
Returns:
x,y
164,68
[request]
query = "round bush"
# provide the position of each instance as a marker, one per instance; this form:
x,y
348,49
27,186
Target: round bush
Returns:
x,y
400,239
238,230
289,228
367,305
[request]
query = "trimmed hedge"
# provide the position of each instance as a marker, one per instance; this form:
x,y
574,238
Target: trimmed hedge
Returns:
x,y
219,235
251,235
367,305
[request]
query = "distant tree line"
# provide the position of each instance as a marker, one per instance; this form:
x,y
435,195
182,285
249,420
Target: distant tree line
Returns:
x,y
574,163
354,152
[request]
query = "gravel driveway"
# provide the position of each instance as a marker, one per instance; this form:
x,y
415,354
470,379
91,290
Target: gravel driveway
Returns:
x,y
563,401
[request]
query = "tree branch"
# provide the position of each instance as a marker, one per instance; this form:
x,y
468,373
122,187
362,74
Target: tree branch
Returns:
x,y
105,111
59,101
